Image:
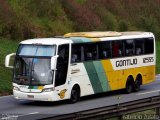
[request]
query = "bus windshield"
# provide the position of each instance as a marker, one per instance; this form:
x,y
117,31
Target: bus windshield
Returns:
x,y
36,50
32,65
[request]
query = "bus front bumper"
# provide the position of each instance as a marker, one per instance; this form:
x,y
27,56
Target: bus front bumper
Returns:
x,y
43,96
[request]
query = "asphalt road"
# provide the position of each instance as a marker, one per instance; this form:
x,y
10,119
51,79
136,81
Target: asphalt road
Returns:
x,y
11,108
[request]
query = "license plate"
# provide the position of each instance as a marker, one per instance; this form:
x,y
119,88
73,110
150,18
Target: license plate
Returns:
x,y
30,96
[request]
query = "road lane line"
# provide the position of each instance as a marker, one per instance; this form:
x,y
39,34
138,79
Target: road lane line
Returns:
x,y
29,114
8,116
148,92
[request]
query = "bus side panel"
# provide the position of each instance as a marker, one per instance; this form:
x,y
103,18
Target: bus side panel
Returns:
x,y
91,77
108,70
149,75
100,76
115,79
79,76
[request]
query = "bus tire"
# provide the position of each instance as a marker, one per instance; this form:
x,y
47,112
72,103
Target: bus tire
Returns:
x,y
75,94
137,83
129,85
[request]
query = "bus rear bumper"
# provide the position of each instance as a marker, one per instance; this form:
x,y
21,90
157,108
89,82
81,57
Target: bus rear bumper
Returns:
x,y
43,96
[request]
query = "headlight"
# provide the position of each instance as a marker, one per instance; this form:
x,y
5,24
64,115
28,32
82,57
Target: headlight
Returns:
x,y
16,88
48,89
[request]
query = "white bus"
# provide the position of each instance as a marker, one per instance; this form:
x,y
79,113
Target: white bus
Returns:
x,y
81,64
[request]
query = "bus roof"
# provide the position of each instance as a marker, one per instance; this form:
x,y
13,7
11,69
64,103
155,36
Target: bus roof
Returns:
x,y
93,34
46,41
98,34
83,37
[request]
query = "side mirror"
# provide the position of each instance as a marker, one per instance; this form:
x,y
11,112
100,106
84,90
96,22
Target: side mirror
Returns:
x,y
54,62
8,60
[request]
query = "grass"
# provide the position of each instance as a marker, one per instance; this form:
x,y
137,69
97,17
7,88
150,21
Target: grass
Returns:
x,y
6,47
158,57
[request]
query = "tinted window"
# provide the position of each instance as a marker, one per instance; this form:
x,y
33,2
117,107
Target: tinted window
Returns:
x,y
62,65
76,53
105,50
129,47
117,49
139,46
63,52
149,46
111,49
90,51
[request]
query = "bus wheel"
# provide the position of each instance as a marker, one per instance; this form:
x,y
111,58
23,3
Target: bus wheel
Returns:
x,y
75,94
129,85
137,84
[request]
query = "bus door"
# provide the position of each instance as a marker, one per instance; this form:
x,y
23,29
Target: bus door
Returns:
x,y
62,65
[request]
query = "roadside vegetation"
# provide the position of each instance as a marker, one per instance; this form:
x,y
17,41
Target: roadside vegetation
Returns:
x,y
158,57
23,19
6,47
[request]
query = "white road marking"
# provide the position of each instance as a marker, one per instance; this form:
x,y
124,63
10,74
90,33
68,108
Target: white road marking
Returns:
x,y
28,114
148,92
12,116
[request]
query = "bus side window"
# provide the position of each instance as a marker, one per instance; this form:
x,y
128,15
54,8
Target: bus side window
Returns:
x,y
149,46
76,53
117,48
139,46
90,52
129,48
105,50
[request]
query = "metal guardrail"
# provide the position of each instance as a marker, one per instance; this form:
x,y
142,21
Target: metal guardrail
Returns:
x,y
117,110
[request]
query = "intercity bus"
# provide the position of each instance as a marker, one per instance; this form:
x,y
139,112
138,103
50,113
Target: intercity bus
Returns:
x,y
81,64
